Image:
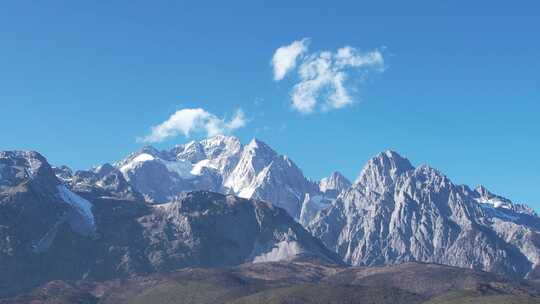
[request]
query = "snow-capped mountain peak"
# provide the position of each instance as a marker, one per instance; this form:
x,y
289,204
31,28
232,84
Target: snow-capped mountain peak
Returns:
x,y
18,166
264,174
222,164
336,182
220,146
192,152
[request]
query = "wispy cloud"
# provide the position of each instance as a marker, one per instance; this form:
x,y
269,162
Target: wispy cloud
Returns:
x,y
285,57
188,121
326,79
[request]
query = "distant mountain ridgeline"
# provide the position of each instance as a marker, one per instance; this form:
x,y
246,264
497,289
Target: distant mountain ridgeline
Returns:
x,y
219,203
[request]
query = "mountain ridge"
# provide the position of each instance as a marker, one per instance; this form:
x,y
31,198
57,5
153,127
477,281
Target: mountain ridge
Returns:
x,y
48,231
392,213
396,213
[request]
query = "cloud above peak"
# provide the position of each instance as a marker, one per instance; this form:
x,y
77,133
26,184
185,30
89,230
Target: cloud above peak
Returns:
x,y
285,57
325,80
188,121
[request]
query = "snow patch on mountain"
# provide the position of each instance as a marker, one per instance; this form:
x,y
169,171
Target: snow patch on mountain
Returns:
x,y
493,209
33,164
80,205
197,169
495,203
141,158
180,167
247,192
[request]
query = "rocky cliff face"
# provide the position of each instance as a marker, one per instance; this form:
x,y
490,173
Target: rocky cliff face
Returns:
x,y
396,213
263,174
334,184
103,181
329,189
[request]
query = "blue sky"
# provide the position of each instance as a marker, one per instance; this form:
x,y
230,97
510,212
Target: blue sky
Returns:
x,y
460,88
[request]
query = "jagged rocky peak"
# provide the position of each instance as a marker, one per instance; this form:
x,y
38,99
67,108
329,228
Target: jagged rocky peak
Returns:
x,y
256,143
104,169
419,214
381,171
147,149
145,154
32,162
221,144
259,149
64,173
39,198
17,167
255,157
104,181
262,157
424,178
262,173
192,151
222,154
336,182
26,172
482,190
485,196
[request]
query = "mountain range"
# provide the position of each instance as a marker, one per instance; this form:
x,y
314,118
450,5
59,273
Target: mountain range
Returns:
x,y
218,202
395,213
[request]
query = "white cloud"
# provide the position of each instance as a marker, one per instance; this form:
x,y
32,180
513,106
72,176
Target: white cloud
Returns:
x,y
188,121
285,57
238,121
325,78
